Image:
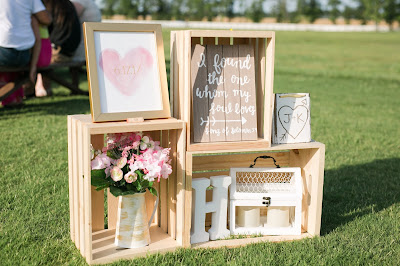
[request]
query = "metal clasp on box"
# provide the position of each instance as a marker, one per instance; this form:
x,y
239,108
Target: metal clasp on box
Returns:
x,y
267,201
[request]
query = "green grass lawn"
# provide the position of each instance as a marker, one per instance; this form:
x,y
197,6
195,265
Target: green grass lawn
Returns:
x,y
354,81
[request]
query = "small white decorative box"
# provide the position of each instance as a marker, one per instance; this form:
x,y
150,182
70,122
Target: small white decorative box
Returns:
x,y
265,201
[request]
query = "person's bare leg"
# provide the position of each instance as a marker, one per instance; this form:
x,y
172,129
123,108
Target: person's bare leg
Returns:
x,y
40,91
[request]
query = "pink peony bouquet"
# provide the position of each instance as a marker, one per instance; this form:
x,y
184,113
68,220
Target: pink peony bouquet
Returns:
x,y
129,164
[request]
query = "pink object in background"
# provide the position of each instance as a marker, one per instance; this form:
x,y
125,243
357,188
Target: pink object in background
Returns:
x,y
129,72
45,53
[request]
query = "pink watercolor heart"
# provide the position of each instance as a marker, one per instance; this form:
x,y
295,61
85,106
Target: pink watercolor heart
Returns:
x,y
128,73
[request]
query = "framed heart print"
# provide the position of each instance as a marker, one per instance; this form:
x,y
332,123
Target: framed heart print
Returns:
x,y
126,71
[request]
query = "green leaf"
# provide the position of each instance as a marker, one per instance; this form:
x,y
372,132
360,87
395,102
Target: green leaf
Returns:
x,y
139,173
121,192
99,178
103,187
98,173
153,191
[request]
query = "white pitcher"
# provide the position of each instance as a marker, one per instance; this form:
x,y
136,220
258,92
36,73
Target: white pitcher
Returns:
x,y
132,226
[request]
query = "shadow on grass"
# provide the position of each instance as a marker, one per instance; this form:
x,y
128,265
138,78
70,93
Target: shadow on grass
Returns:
x,y
59,105
358,190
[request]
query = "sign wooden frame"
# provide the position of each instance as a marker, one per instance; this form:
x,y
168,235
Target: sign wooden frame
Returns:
x,y
98,114
181,78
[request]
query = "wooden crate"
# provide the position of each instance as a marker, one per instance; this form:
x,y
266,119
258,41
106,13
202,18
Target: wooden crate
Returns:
x,y
87,205
310,157
181,45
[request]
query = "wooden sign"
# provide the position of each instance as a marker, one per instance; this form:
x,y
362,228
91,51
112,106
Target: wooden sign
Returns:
x,y
291,118
223,93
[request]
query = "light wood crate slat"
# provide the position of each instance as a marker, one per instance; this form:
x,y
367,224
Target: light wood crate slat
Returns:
x,y
226,161
97,196
163,207
172,187
104,250
87,192
75,186
81,202
70,180
231,243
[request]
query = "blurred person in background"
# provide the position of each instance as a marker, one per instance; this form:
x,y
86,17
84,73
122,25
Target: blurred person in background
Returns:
x,y
87,11
65,36
19,44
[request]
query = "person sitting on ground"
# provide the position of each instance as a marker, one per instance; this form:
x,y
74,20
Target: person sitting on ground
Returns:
x,y
17,38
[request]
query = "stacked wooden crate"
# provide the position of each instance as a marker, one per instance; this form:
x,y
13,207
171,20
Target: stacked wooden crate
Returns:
x,y
87,211
215,158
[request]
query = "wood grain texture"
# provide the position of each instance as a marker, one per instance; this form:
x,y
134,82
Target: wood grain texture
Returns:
x,y
216,96
259,61
233,119
238,160
248,93
172,184
87,196
163,191
81,202
199,104
181,235
75,171
97,196
70,179
269,85
112,212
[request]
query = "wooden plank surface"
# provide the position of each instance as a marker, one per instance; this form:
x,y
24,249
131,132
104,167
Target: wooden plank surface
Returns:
x,y
232,101
248,93
163,205
226,161
181,235
269,86
70,179
172,186
173,77
105,251
200,102
81,202
234,34
88,220
112,210
149,198
224,40
97,196
230,243
123,126
216,95
260,91
75,170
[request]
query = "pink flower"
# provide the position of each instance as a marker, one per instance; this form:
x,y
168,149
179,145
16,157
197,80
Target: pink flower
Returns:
x,y
166,170
101,161
116,173
130,177
121,162
135,144
136,165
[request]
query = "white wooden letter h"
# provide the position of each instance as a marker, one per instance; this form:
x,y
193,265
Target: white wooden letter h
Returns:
x,y
218,207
